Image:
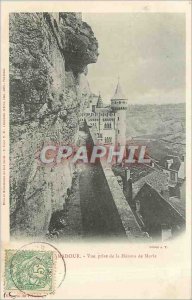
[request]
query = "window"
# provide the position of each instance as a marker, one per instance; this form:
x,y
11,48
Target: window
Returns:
x,y
118,118
108,139
107,125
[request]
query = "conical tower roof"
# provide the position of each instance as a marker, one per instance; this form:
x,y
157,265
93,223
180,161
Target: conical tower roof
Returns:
x,y
118,93
99,102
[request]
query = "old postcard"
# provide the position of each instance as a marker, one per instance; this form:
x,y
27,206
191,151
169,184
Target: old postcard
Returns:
x,y
96,149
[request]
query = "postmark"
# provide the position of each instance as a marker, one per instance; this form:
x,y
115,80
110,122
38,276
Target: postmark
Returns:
x,y
36,269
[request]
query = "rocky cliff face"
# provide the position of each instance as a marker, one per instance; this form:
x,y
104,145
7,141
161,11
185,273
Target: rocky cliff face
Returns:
x,y
49,54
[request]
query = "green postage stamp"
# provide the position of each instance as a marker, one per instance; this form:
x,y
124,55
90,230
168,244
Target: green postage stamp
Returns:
x,y
30,272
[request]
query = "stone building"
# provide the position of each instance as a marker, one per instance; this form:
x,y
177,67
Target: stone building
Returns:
x,y
158,207
109,121
174,168
162,218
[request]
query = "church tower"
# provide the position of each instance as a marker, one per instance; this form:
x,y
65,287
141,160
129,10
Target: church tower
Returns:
x,y
119,105
99,102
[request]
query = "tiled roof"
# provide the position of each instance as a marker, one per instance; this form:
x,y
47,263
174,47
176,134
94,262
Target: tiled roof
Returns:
x,y
137,171
156,179
100,102
174,202
118,93
178,204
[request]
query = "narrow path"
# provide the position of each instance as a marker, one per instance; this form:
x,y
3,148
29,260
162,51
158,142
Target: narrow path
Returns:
x,y
93,225
96,213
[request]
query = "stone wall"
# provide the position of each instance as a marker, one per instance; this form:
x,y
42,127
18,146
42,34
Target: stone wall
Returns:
x,y
49,54
116,211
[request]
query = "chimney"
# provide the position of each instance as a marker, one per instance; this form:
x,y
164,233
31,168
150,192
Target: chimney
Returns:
x,y
169,163
127,174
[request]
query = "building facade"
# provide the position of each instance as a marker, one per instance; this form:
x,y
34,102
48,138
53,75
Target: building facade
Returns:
x,y
109,121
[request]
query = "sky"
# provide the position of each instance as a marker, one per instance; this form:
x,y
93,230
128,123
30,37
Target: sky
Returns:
x,y
147,52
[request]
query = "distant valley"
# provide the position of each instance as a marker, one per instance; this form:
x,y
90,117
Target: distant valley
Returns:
x,y
160,127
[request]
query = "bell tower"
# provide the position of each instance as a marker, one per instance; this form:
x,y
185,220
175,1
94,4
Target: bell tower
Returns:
x,y
119,105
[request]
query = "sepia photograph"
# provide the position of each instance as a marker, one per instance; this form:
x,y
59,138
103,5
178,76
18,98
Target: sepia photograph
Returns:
x,y
97,126
95,149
